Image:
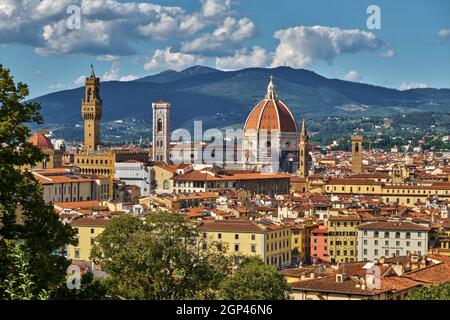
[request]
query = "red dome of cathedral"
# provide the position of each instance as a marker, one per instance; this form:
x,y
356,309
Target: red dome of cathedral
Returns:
x,y
271,114
41,141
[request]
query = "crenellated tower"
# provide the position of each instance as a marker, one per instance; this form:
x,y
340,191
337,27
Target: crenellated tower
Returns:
x,y
91,109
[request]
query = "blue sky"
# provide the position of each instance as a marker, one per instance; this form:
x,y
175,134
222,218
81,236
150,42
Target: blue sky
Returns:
x,y
130,39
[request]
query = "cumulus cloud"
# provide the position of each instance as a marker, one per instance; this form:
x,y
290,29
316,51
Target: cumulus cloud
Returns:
x,y
352,75
114,74
388,54
303,45
79,81
211,8
444,33
168,59
108,27
224,39
412,85
108,57
244,58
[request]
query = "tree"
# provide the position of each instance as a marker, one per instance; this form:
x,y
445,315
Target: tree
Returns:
x,y
254,280
24,216
18,284
441,292
161,257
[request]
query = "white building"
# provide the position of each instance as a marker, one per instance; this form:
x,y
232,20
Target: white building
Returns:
x,y
64,185
389,238
135,173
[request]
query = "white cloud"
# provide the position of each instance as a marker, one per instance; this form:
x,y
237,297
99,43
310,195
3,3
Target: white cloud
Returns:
x,y
412,85
444,33
108,27
244,58
114,74
108,57
79,81
303,45
167,59
129,77
224,39
352,75
388,54
211,8
58,86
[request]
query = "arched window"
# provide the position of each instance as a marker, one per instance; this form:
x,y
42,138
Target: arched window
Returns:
x,y
397,235
159,126
386,234
408,235
375,234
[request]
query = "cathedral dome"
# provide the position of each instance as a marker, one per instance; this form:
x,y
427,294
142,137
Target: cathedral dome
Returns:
x,y
271,114
41,141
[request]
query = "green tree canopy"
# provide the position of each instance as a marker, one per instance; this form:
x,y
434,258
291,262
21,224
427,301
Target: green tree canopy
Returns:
x,y
254,280
441,292
24,216
161,257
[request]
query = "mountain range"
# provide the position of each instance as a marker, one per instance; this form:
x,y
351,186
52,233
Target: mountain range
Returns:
x,y
224,98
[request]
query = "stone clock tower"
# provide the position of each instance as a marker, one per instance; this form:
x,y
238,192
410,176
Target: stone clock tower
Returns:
x,y
161,131
91,109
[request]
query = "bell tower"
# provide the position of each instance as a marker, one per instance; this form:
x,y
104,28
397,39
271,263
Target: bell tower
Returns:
x,y
91,109
357,148
303,156
161,131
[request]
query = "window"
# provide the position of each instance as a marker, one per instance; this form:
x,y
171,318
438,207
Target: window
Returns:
x,y
253,248
92,241
92,230
77,254
236,236
386,234
159,125
375,234
236,247
419,234
219,236
408,235
253,237
397,235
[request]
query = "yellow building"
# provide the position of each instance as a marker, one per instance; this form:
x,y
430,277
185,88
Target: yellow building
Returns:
x,y
300,241
97,163
87,230
404,194
342,238
271,241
